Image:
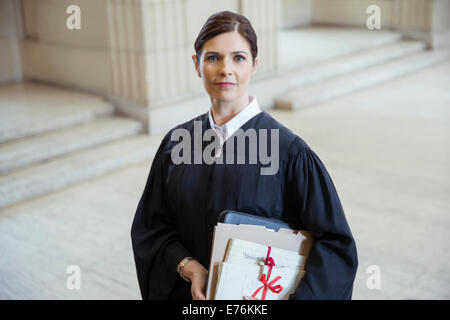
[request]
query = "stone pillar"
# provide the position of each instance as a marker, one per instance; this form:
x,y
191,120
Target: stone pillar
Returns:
x,y
128,89
265,18
150,55
413,18
11,33
441,24
170,71
427,20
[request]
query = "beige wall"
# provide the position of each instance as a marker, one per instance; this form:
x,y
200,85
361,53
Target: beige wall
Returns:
x,y
75,58
427,20
351,12
296,13
46,20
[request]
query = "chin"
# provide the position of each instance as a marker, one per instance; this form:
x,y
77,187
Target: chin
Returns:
x,y
224,96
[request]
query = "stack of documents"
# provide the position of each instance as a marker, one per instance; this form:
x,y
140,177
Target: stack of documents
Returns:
x,y
244,248
240,273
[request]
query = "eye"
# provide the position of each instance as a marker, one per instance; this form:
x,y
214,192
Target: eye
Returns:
x,y
239,58
211,58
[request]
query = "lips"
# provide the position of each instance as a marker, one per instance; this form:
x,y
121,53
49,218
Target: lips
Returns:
x,y
225,85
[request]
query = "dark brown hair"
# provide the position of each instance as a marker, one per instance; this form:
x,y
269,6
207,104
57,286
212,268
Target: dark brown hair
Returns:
x,y
226,21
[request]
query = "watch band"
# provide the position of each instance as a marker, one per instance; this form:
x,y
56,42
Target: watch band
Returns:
x,y
182,264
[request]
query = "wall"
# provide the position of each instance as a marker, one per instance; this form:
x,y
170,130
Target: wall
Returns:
x,y
296,13
351,12
74,58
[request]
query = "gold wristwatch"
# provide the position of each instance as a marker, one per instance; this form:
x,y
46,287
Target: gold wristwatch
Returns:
x,y
182,264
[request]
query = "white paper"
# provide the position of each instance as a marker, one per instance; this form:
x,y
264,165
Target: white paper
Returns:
x,y
299,241
241,251
239,280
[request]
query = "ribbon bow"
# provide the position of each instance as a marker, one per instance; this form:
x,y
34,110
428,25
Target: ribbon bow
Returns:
x,y
265,279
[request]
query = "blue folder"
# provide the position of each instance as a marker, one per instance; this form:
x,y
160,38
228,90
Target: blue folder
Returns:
x,y
235,217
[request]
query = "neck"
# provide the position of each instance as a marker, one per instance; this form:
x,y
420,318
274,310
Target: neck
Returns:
x,y
223,111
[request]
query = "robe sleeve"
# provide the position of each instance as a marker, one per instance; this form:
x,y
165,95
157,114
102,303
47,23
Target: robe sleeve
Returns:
x,y
156,247
332,263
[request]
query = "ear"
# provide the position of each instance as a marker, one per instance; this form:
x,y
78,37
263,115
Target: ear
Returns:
x,y
196,65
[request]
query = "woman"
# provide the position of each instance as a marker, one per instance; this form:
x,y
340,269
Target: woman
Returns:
x,y
173,226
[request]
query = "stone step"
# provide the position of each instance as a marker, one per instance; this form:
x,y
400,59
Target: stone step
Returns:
x,y
42,147
42,178
28,109
316,44
356,61
303,96
270,89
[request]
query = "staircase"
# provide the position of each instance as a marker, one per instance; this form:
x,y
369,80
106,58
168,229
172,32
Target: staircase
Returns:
x,y
332,74
52,138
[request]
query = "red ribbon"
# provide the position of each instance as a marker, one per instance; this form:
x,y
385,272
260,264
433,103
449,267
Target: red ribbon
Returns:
x,y
265,279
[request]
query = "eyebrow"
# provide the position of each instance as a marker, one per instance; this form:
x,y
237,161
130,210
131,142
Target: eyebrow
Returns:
x,y
234,52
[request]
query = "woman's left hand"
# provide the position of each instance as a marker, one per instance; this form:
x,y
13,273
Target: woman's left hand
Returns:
x,y
198,276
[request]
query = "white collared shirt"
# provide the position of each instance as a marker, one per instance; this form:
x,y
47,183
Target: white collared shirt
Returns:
x,y
229,128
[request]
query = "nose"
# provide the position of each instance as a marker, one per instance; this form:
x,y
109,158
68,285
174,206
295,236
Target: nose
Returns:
x,y
225,68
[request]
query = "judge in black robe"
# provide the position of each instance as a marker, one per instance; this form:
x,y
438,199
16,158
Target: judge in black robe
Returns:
x,y
180,204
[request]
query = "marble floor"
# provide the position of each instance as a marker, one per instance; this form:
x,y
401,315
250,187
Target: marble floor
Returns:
x,y
386,149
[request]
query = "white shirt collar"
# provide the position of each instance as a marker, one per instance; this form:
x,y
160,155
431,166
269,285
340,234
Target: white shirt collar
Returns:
x,y
251,110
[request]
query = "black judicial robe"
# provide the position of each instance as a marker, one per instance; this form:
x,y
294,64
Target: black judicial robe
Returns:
x,y
180,204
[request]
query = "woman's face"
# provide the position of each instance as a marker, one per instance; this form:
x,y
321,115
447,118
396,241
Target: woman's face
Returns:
x,y
226,66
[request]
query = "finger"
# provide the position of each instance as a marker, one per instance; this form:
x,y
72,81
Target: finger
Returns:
x,y
198,295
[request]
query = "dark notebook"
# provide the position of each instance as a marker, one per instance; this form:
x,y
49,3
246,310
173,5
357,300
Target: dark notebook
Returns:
x,y
235,217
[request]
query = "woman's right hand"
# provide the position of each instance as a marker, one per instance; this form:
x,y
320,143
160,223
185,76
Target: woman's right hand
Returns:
x,y
198,275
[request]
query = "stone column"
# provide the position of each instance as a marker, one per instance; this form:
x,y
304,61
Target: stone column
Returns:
x,y
427,20
265,18
413,18
441,24
170,72
11,33
150,55
128,89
